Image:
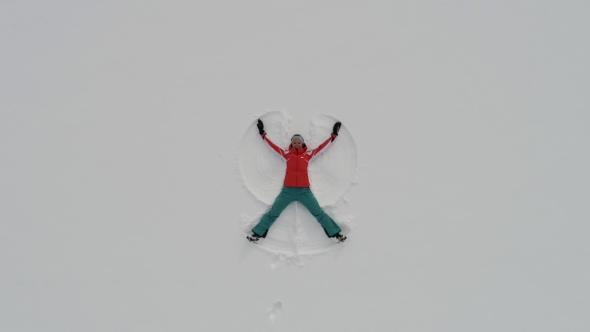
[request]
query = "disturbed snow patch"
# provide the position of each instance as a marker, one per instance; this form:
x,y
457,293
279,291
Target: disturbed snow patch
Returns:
x,y
275,311
296,235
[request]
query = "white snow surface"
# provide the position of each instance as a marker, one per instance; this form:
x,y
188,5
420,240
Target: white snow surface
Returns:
x,y
296,233
130,166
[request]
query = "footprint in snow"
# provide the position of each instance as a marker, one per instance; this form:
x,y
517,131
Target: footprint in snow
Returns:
x,y
275,311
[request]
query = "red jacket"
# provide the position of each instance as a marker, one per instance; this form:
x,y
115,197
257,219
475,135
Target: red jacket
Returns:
x,y
297,161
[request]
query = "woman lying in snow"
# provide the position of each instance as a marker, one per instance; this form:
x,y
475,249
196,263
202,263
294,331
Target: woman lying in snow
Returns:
x,y
296,186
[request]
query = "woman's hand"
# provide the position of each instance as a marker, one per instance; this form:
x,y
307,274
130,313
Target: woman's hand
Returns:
x,y
336,128
260,126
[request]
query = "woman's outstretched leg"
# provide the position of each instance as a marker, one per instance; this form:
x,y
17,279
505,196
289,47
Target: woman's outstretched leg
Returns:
x,y
280,203
311,204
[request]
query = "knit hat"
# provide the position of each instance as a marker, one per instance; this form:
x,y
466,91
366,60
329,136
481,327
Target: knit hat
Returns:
x,y
297,137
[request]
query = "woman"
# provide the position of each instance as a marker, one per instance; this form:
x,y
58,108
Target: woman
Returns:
x,y
296,186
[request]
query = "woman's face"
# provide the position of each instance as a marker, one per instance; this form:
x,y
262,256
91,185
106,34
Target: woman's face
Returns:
x,y
297,144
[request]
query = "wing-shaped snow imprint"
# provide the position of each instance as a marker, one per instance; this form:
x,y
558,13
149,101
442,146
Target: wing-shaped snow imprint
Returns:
x,y
296,233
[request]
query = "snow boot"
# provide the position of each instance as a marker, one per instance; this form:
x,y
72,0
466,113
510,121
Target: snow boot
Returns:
x,y
253,238
339,237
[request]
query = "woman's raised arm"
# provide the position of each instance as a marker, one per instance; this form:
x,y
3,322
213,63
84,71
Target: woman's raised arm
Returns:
x,y
262,133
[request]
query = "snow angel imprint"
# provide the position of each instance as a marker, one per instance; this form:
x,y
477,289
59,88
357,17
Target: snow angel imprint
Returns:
x,y
296,186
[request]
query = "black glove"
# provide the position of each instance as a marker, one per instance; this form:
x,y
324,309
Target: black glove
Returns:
x,y
260,126
336,129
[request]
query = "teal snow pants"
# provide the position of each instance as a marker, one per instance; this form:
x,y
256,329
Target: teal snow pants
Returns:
x,y
305,197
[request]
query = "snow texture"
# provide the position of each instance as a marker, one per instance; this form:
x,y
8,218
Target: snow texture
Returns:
x,y
296,233
120,186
